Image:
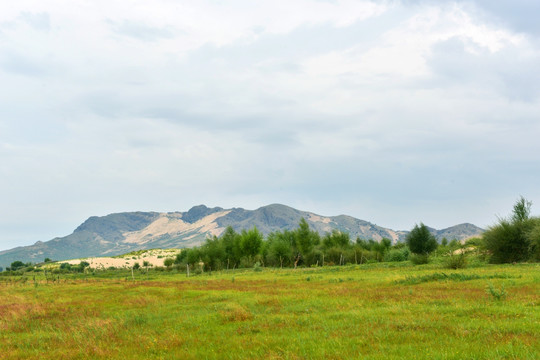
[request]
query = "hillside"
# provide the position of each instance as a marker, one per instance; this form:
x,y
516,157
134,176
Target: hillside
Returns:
x,y
121,233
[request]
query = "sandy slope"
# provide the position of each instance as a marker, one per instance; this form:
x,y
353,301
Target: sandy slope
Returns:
x,y
172,224
154,258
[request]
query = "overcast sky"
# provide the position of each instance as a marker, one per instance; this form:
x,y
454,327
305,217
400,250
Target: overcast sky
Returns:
x,y
394,112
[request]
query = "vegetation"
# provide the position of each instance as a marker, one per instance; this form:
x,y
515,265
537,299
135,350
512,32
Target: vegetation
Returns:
x,y
292,295
300,247
516,238
368,311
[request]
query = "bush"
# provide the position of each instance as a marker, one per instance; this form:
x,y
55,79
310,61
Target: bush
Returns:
x,y
456,261
513,239
395,255
474,241
419,259
257,267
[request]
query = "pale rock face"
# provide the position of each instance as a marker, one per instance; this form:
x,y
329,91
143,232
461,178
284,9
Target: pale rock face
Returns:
x,y
173,225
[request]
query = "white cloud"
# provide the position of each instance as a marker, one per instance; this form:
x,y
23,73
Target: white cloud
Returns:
x,y
384,110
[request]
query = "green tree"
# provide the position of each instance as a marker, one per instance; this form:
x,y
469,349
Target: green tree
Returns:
x,y
16,265
231,245
420,241
336,238
168,262
215,252
193,256
82,265
522,210
280,250
251,242
533,236
305,241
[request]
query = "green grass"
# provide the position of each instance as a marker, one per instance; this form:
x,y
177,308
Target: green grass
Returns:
x,y
375,311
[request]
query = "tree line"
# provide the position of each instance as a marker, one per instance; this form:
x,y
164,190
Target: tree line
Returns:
x,y
290,248
512,239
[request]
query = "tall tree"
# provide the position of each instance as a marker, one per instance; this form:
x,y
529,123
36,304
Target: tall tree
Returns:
x,y
306,240
251,242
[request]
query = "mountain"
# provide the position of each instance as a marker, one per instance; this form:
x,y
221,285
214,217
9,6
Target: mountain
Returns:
x,y
120,233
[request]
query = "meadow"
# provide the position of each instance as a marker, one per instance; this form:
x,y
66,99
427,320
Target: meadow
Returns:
x,y
370,311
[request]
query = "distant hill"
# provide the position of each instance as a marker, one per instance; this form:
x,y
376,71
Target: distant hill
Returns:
x,y
120,233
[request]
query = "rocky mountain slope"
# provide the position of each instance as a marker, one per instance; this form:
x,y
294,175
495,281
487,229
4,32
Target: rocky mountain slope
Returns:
x,y
120,233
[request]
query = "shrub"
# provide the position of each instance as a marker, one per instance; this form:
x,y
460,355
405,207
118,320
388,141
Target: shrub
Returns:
x,y
395,255
474,241
257,267
496,294
512,239
456,261
419,259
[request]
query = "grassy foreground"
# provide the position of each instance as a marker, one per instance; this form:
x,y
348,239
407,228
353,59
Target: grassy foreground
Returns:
x,y
377,311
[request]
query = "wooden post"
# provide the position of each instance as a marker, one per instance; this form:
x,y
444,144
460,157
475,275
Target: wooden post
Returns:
x,y
187,266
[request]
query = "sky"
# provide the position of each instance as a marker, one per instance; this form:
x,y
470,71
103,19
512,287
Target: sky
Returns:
x,y
395,112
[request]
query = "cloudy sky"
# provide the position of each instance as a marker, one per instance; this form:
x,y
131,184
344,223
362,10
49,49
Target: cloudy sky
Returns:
x,y
394,112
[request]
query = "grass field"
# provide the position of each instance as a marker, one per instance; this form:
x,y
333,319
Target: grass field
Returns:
x,y
376,311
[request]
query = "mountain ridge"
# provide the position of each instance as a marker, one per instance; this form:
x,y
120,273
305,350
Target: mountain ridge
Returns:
x,y
120,233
